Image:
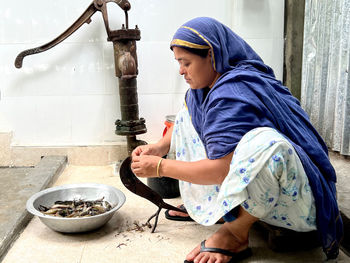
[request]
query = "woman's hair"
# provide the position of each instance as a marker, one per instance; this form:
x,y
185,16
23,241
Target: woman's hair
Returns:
x,y
199,52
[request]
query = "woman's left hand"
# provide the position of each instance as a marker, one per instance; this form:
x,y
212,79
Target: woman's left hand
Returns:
x,y
145,165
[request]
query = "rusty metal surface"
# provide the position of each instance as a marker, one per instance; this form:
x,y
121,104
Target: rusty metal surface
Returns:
x,y
126,69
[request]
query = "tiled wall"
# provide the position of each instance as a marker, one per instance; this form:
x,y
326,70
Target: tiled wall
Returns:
x,y
69,94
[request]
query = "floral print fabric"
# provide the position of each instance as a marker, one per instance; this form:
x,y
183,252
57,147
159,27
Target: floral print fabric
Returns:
x,y
266,178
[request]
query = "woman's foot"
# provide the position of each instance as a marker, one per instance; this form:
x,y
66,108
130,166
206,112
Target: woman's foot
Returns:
x,y
232,236
176,215
222,239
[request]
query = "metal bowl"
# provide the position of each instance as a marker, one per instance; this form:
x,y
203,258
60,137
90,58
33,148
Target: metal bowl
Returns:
x,y
86,191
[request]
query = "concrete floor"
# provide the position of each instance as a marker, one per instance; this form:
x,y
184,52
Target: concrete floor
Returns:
x,y
17,185
118,241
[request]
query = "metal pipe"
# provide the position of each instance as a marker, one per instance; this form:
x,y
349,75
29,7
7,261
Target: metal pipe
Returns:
x,y
125,57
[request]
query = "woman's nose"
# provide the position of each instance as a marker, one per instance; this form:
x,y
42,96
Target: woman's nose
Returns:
x,y
181,71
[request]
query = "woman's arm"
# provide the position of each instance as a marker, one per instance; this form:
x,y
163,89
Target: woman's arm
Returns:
x,y
203,172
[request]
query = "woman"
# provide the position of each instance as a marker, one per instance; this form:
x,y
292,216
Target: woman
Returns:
x,y
242,148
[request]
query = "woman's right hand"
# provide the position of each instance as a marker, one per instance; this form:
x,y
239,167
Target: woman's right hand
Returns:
x,y
148,149
160,148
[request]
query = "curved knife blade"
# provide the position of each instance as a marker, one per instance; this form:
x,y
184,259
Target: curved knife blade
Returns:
x,y
131,182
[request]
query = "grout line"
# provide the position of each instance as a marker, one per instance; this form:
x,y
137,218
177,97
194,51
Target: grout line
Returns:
x,y
82,252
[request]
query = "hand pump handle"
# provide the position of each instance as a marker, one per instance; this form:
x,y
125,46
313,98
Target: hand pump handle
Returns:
x,y
96,5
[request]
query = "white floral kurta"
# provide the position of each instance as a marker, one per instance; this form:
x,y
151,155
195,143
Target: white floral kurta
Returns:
x,y
266,178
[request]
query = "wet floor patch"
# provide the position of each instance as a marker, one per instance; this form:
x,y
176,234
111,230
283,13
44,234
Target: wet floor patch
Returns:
x,y
17,185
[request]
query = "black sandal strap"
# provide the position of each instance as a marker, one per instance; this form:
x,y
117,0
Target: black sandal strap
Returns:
x,y
182,207
235,255
215,250
178,218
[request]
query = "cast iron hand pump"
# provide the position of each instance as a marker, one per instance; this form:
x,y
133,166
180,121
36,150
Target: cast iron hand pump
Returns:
x,y
130,125
124,43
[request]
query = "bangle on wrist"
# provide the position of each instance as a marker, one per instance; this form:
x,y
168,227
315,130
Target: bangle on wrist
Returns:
x,y
158,166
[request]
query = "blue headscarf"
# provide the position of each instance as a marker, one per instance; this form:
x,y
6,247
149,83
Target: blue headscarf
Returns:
x,y
247,96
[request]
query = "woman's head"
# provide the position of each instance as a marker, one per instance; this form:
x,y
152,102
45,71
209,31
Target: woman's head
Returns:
x,y
196,66
227,49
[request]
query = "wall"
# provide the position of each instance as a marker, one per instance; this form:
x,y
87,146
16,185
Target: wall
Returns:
x,y
325,78
68,96
294,37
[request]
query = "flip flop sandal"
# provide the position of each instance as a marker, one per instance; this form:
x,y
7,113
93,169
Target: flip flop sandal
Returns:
x,y
178,218
238,256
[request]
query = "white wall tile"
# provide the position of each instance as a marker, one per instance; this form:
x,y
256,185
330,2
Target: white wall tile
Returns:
x,y
52,18
180,85
40,75
2,30
38,120
258,19
158,69
71,92
16,22
154,108
54,124
21,112
271,52
155,68
164,17
64,70
177,102
8,73
88,119
47,22
112,113
90,33
111,80
87,69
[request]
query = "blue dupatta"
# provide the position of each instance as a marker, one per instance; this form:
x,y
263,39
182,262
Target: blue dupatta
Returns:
x,y
247,96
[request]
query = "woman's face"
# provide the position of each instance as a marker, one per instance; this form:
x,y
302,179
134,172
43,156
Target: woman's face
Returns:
x,y
197,71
